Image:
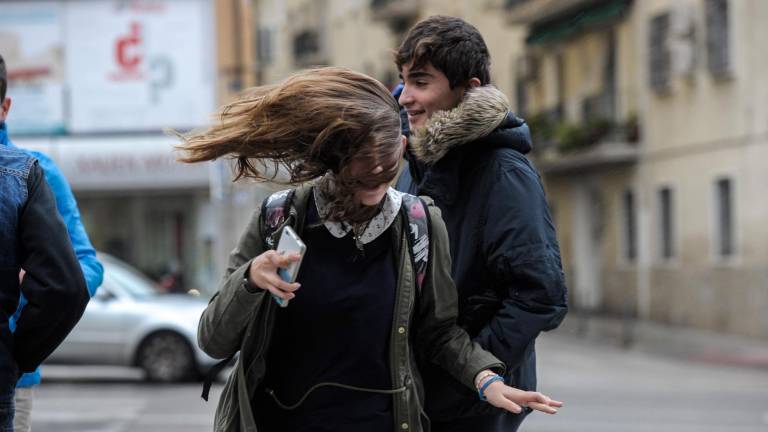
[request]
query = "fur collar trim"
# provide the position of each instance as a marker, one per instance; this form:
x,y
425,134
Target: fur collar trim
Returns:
x,y
481,111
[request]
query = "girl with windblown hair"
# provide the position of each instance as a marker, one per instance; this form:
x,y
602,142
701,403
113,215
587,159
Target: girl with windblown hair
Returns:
x,y
343,354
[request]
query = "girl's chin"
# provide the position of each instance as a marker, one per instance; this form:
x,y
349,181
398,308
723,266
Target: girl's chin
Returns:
x,y
370,199
370,202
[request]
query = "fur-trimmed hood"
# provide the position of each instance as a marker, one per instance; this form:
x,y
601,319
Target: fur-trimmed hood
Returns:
x,y
483,110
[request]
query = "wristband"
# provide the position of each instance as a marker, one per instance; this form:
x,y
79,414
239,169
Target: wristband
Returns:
x,y
481,391
483,377
482,381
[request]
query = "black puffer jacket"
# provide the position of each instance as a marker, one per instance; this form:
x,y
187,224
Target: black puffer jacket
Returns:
x,y
506,258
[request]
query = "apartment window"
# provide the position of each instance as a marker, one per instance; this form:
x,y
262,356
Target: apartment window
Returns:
x,y
521,97
526,71
560,74
724,217
659,60
512,3
609,77
630,225
666,223
718,53
264,50
306,48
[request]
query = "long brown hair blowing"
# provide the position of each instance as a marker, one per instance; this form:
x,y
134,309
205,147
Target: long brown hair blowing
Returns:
x,y
315,121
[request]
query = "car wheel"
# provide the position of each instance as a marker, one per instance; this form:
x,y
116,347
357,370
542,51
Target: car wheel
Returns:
x,y
166,357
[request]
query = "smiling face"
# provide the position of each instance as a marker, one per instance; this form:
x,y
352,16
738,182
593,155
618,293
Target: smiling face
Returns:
x,y
426,90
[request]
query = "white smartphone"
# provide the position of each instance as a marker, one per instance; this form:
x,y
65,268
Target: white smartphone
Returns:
x,y
289,243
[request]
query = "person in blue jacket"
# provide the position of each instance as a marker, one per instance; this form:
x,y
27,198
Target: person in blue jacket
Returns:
x,y
86,255
466,150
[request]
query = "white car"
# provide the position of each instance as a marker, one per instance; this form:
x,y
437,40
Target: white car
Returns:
x,y
129,323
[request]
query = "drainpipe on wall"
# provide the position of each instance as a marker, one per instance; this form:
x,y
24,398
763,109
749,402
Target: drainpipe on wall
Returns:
x,y
643,181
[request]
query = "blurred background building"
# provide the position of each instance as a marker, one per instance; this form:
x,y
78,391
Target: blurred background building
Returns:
x,y
651,129
650,123
98,85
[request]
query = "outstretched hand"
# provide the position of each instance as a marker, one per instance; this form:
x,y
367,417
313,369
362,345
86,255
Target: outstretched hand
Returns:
x,y
511,399
263,273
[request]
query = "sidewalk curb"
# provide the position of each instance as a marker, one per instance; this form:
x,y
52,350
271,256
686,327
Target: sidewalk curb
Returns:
x,y
686,343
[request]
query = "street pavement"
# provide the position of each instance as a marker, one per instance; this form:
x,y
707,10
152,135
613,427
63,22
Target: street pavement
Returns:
x,y
610,389
667,381
74,399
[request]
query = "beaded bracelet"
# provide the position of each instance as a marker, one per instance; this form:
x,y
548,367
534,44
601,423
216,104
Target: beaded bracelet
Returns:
x,y
483,377
481,391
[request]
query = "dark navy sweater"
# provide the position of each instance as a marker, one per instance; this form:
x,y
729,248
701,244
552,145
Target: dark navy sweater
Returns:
x,y
337,329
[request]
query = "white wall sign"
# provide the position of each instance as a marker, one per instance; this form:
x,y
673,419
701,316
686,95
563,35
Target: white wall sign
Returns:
x,y
139,65
109,66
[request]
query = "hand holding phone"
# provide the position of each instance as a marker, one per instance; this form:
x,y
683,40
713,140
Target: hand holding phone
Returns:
x,y
289,243
275,271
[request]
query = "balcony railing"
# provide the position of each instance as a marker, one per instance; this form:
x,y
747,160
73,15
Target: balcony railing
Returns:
x,y
561,147
533,11
553,21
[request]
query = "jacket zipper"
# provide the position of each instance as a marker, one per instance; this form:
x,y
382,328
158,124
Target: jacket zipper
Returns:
x,y
394,335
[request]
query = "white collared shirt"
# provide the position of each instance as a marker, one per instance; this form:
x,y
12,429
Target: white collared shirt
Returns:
x,y
392,201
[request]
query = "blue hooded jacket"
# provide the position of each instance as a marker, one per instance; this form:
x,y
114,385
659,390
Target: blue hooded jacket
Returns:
x,y
67,207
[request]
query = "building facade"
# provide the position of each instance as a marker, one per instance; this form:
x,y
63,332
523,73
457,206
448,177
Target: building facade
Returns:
x,y
362,34
650,123
652,132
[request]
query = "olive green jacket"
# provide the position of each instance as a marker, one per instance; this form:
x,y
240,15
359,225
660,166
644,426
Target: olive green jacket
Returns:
x,y
240,318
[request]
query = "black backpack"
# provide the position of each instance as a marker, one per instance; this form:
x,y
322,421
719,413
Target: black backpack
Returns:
x,y
276,213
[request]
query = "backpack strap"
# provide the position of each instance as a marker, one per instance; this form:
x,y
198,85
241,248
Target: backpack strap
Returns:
x,y
276,213
212,373
417,216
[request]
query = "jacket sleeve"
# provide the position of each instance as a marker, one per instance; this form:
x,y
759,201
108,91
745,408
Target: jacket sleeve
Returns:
x,y
53,283
438,336
232,308
523,258
67,207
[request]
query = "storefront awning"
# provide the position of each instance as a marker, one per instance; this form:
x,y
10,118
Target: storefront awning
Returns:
x,y
120,163
581,20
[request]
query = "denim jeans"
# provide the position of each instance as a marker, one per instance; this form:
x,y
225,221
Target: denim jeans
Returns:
x,y
6,411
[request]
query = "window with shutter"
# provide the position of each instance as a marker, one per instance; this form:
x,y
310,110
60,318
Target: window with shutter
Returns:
x,y
724,241
718,52
666,224
630,226
264,46
659,59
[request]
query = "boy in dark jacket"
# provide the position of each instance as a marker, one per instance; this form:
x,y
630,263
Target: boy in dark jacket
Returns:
x,y
36,260
466,151
33,239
